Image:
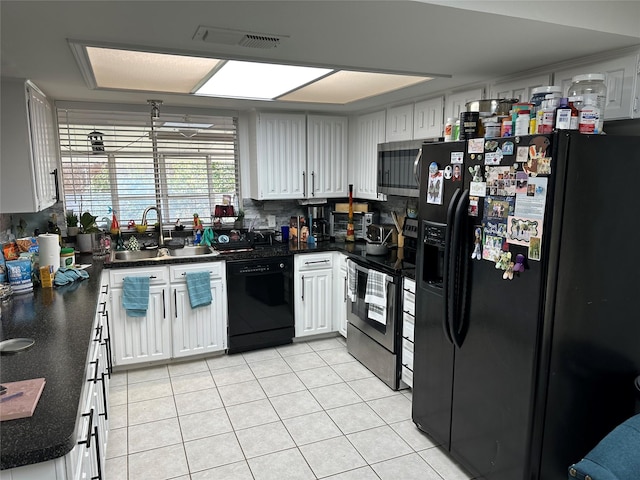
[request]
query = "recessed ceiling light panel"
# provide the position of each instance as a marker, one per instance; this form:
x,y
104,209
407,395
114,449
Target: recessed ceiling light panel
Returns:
x,y
263,81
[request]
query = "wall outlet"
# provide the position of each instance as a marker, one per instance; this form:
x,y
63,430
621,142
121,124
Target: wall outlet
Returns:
x,y
271,221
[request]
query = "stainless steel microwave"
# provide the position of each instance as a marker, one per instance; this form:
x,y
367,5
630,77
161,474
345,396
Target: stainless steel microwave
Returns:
x,y
399,168
361,220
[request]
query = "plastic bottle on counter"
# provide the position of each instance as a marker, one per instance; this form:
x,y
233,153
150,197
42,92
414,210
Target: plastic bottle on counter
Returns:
x,y
448,129
522,123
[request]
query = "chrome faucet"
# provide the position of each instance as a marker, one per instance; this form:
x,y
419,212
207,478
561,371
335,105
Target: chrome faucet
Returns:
x,y
144,220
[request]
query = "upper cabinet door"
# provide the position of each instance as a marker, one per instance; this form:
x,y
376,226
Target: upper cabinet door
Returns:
x,y
280,157
621,80
327,138
520,89
29,149
400,123
363,171
427,118
457,102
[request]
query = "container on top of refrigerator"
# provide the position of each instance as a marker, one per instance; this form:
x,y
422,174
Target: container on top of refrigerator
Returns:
x,y
592,89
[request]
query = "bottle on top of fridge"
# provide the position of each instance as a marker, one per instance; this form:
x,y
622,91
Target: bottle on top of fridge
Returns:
x,y
455,133
575,113
589,119
591,87
522,123
506,127
448,129
563,115
548,110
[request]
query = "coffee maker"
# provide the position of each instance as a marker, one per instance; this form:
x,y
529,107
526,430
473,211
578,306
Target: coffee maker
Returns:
x,y
319,224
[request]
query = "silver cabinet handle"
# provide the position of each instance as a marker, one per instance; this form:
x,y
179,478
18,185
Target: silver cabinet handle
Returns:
x,y
302,287
345,288
316,261
313,183
304,184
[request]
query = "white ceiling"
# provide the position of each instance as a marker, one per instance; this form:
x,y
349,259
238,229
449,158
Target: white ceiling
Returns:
x,y
466,41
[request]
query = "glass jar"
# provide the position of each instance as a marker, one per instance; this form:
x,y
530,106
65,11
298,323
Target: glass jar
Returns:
x,y
590,86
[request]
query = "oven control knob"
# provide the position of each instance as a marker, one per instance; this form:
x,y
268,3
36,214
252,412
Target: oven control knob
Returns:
x,y
282,265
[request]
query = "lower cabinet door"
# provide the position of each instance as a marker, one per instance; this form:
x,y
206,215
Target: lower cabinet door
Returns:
x,y
313,304
142,339
201,329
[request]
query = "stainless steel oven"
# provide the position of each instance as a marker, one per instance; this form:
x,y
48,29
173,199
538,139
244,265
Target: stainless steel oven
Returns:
x,y
375,344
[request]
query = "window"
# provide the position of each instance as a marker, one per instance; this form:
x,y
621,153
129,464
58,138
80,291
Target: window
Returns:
x,y
117,160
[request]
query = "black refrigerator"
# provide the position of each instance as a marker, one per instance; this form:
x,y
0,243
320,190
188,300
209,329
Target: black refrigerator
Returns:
x,y
527,336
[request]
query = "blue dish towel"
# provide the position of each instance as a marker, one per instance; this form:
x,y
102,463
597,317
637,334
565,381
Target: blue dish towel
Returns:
x,y
135,296
65,275
199,289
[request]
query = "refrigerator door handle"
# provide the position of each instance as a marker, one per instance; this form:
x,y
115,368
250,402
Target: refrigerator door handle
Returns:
x,y
447,293
460,273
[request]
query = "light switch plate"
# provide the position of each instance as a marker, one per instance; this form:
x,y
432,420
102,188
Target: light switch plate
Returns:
x,y
271,221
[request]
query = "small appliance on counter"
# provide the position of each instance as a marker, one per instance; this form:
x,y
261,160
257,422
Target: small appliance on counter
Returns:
x,y
379,237
319,224
361,220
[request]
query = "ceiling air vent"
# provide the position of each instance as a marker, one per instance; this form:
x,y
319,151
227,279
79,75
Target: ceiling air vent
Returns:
x,y
223,36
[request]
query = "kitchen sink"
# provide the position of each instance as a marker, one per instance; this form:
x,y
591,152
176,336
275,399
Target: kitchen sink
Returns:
x,y
131,256
144,255
192,251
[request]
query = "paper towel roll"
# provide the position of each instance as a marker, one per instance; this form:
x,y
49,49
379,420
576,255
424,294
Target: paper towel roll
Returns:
x,y
49,250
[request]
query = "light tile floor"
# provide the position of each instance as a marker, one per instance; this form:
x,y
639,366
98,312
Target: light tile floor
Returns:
x,y
303,411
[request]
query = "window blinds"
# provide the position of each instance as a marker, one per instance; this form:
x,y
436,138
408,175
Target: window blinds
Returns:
x,y
119,160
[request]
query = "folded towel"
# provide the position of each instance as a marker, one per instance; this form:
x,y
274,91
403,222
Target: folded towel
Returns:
x,y
66,275
376,295
352,280
198,285
135,296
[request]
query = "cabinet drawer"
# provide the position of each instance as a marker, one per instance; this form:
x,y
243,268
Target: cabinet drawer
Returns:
x,y
409,303
408,327
306,262
407,376
177,273
409,285
157,275
407,353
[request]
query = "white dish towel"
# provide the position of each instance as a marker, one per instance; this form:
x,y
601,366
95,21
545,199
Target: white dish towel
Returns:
x,y
352,280
376,296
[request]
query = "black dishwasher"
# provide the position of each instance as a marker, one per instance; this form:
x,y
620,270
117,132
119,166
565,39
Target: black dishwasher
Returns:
x,y
260,302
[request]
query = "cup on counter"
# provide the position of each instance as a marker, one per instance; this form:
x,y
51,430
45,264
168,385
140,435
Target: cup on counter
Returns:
x,y
285,233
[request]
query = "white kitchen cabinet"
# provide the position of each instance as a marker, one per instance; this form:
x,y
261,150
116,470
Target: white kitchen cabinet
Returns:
x,y
408,327
622,80
369,131
298,158
520,88
278,156
427,118
399,123
313,290
202,329
326,170
141,339
29,149
340,293
456,103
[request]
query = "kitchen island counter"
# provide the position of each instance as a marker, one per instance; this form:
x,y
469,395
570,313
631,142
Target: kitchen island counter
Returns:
x,y
60,321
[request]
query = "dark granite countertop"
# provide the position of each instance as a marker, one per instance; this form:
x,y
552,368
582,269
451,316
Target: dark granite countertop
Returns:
x,y
59,320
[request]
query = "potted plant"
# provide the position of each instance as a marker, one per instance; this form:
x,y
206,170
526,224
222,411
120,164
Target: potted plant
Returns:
x,y
89,227
239,221
72,223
